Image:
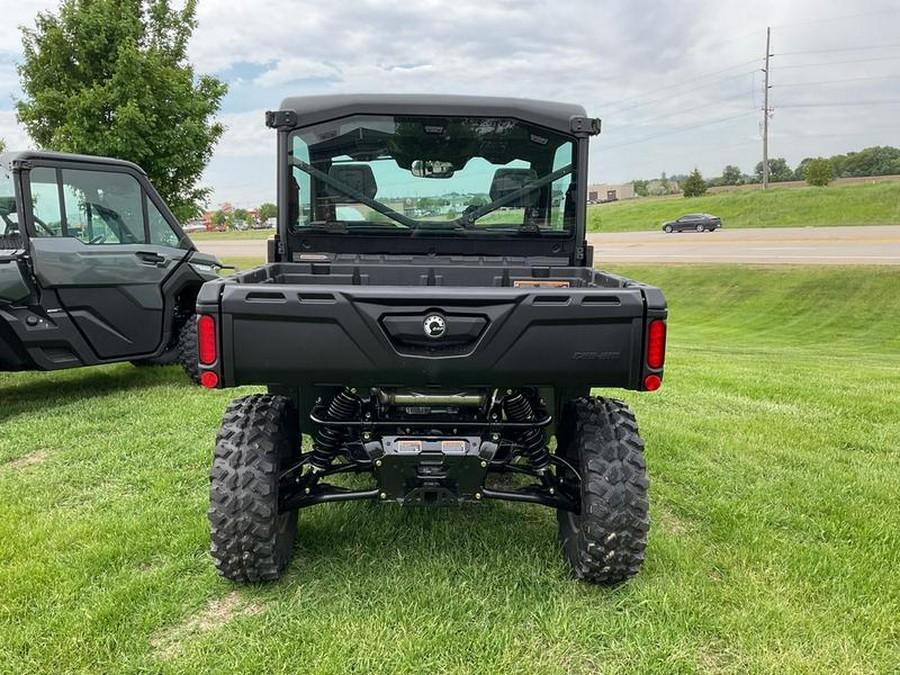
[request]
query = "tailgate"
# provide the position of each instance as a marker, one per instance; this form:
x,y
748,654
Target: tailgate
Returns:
x,y
377,336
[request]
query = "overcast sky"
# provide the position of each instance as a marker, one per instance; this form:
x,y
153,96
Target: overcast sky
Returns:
x,y
678,85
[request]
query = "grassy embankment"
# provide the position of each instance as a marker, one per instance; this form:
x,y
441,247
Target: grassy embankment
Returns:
x,y
775,544
854,204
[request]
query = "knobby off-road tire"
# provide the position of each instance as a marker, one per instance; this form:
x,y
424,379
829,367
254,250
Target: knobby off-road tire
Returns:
x,y
605,543
258,438
188,355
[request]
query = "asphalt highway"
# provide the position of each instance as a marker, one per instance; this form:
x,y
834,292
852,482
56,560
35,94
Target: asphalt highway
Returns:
x,y
861,244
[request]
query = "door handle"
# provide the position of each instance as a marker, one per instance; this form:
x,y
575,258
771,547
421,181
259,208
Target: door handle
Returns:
x,y
150,258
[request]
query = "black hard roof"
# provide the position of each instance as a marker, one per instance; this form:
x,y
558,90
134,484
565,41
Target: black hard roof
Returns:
x,y
8,158
550,114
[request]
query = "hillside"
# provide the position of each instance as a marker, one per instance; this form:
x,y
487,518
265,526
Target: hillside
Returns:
x,y
855,204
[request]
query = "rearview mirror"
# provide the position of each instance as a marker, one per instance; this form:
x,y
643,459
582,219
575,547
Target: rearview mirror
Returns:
x,y
430,168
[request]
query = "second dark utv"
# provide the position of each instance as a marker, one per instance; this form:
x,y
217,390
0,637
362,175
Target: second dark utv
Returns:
x,y
94,268
430,317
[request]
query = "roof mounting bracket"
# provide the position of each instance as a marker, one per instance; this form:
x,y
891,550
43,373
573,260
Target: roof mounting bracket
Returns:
x,y
585,126
281,119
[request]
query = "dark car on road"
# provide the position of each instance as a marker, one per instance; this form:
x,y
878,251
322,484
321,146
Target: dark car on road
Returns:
x,y
693,222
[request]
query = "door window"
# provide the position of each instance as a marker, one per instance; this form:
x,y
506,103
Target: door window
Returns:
x,y
103,207
160,231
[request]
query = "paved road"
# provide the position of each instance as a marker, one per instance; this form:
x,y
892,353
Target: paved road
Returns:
x,y
863,244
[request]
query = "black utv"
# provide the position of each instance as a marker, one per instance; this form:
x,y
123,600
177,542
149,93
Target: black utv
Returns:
x,y
93,267
430,317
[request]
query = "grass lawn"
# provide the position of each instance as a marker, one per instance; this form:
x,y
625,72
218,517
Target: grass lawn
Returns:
x,y
774,455
853,204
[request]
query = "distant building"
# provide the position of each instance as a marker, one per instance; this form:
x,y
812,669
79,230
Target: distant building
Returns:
x,y
605,192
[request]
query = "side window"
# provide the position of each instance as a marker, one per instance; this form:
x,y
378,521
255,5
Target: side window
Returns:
x,y
559,189
103,207
48,220
160,231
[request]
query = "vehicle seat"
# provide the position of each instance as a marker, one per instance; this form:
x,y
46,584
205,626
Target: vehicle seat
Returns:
x,y
510,180
356,176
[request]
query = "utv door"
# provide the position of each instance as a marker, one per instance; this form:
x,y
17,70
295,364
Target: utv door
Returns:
x,y
101,250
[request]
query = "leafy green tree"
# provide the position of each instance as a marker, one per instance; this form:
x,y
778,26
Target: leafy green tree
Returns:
x,y
111,77
640,188
240,216
874,161
731,175
819,172
266,210
779,171
694,185
221,218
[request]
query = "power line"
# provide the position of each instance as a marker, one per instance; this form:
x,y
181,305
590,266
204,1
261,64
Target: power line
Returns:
x,y
681,129
682,82
843,103
849,79
837,63
682,111
841,49
837,18
685,91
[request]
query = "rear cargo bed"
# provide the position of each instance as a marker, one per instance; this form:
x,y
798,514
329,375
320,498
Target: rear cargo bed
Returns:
x,y
332,324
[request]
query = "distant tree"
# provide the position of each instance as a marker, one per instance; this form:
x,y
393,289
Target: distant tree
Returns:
x,y
221,218
240,216
694,185
874,161
819,172
266,210
107,77
800,171
731,175
779,171
640,188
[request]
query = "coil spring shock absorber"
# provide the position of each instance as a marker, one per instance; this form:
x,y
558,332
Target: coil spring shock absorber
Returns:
x,y
343,406
519,409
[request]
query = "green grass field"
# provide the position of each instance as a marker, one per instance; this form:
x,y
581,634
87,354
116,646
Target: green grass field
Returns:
x,y
774,456
854,204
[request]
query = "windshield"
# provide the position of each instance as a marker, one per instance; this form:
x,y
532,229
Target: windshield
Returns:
x,y
411,175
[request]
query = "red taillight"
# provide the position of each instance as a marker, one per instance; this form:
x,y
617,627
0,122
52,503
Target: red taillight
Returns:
x,y
656,344
209,379
652,382
206,339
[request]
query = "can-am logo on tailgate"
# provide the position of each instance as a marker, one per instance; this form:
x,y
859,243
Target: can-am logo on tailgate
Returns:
x,y
435,326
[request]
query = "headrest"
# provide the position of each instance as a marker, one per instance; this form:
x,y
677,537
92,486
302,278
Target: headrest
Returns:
x,y
356,176
511,180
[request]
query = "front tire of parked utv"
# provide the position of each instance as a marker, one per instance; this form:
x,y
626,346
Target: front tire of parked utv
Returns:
x,y
259,437
605,543
188,355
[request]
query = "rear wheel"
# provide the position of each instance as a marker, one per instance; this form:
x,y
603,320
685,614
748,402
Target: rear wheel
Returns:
x,y
700,228
605,543
251,540
187,349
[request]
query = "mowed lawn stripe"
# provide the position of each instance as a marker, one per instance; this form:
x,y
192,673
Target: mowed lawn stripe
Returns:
x,y
774,463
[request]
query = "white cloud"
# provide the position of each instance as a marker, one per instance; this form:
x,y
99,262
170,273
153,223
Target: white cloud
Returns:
x,y
10,131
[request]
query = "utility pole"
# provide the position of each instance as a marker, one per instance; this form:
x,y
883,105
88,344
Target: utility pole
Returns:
x,y
765,134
